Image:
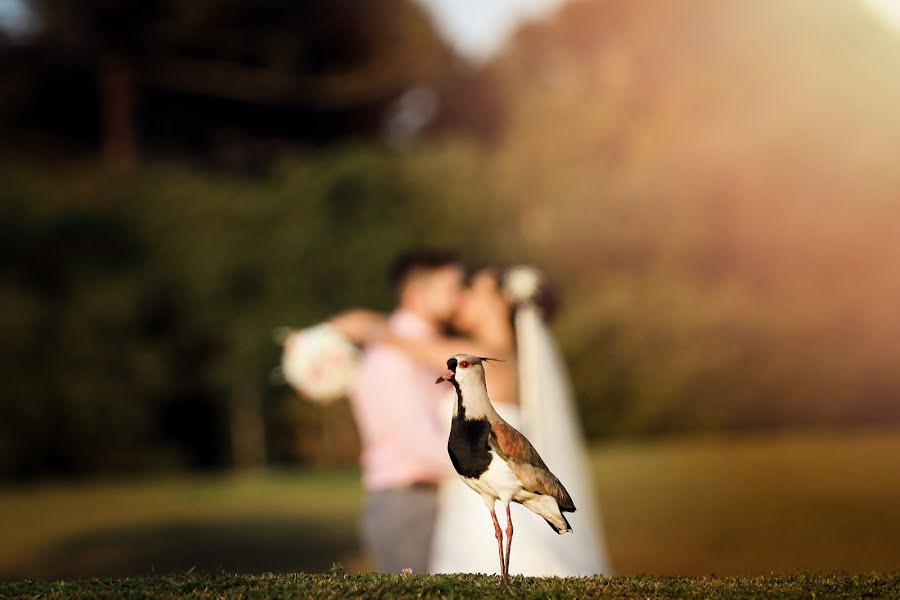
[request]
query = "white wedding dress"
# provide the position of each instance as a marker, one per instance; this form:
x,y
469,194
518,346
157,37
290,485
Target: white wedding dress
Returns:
x,y
464,540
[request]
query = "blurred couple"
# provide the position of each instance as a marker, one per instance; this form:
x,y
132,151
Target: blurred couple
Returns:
x,y
418,514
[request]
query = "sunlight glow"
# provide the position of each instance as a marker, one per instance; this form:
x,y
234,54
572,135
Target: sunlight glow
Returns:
x,y
887,10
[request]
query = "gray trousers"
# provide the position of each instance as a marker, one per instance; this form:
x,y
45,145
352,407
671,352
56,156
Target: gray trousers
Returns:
x,y
397,525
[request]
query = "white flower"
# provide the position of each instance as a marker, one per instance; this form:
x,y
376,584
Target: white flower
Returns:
x,y
320,363
522,283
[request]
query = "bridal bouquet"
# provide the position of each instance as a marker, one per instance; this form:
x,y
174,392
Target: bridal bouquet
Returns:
x,y
319,362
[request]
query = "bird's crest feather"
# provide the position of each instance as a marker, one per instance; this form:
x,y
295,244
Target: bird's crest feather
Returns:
x,y
488,359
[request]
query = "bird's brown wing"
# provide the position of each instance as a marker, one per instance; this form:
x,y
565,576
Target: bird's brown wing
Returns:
x,y
526,464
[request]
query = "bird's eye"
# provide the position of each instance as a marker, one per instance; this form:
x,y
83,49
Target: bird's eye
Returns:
x,y
464,364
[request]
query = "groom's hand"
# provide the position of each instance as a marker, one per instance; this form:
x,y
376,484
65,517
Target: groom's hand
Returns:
x,y
359,325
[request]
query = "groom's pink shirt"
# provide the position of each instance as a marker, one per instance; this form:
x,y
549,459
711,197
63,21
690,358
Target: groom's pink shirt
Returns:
x,y
398,411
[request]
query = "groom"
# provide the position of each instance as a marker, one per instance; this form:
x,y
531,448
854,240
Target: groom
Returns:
x,y
395,403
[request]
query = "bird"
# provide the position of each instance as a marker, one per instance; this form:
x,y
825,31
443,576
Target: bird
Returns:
x,y
496,460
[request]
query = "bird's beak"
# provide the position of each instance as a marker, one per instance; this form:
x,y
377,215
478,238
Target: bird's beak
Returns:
x,y
447,376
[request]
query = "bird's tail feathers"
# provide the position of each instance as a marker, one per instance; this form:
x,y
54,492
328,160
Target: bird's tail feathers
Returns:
x,y
547,507
566,529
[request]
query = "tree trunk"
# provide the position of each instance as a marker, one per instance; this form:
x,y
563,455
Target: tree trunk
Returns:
x,y
248,432
118,95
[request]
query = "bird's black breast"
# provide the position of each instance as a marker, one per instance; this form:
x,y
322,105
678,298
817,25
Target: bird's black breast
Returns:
x,y
468,446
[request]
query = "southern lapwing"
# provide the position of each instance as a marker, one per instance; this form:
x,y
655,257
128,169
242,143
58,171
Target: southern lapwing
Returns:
x,y
497,461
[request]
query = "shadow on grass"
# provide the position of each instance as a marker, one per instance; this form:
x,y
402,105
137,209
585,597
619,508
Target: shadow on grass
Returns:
x,y
250,545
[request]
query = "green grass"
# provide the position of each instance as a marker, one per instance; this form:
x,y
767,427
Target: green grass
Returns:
x,y
267,522
460,586
692,506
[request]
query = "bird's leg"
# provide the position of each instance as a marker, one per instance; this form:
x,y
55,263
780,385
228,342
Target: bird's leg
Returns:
x,y
498,533
509,534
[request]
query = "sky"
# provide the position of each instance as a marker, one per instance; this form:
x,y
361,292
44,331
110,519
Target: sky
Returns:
x,y
13,15
478,28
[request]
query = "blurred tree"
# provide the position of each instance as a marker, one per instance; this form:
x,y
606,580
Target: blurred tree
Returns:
x,y
178,73
110,39
139,309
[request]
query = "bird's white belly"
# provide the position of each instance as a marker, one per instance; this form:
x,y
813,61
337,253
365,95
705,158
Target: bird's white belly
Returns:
x,y
498,481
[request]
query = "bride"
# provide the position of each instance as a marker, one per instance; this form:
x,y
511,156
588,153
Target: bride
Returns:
x,y
502,314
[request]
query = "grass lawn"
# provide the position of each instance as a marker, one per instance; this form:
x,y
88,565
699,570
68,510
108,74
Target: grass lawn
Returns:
x,y
334,586
691,506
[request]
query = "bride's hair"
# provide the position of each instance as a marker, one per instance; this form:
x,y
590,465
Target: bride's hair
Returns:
x,y
522,284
